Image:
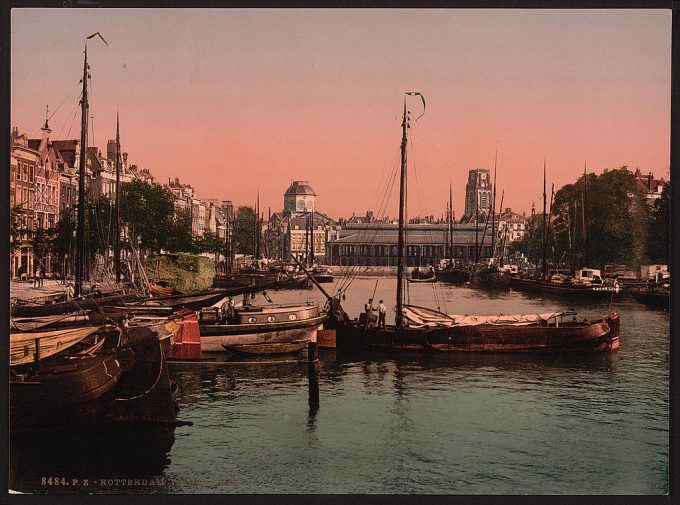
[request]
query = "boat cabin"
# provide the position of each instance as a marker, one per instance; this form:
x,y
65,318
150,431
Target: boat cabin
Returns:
x,y
589,275
222,313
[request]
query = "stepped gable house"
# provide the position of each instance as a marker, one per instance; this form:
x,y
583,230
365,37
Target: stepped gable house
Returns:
x,y
24,161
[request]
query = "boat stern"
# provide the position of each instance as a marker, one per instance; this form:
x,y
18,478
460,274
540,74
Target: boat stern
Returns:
x,y
613,337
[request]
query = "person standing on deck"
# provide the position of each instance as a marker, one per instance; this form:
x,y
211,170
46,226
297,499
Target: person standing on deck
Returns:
x,y
368,309
382,313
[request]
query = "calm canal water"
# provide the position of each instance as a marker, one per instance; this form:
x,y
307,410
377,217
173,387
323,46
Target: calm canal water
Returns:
x,y
408,423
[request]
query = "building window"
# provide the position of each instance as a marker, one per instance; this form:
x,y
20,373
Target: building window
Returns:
x,y
30,173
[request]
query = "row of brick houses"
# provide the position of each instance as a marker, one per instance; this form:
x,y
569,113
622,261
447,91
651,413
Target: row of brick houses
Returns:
x,y
44,186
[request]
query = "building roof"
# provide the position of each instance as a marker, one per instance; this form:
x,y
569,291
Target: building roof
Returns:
x,y
432,236
648,183
300,219
67,149
300,188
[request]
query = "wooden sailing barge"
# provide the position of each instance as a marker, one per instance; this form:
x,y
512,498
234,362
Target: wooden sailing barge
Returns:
x,y
658,298
259,326
566,288
557,284
115,372
421,329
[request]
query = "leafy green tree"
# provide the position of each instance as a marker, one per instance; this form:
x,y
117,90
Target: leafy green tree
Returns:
x,y
148,211
531,244
41,241
179,238
244,230
616,220
99,226
64,238
15,232
658,245
598,219
209,243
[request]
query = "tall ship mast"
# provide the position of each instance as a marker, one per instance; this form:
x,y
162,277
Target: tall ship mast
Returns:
x,y
116,222
80,229
423,329
400,240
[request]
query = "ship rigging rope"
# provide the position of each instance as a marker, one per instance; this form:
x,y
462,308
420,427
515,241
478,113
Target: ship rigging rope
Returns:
x,y
68,95
36,131
369,236
450,170
76,107
45,200
74,300
430,242
73,119
160,372
347,270
350,272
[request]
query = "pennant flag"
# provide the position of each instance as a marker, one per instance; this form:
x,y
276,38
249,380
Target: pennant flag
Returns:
x,y
416,93
100,36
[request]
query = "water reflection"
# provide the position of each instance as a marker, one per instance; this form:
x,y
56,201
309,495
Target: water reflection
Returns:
x,y
88,456
417,361
407,422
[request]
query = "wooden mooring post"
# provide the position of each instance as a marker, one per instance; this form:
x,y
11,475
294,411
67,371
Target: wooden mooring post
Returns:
x,y
313,373
37,351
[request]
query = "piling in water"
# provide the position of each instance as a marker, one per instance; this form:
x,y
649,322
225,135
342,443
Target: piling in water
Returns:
x,y
313,373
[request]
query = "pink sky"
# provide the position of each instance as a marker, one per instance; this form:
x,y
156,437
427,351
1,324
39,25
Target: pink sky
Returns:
x,y
235,100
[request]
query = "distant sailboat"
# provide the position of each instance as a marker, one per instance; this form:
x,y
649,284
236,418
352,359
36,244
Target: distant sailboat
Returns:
x,y
451,270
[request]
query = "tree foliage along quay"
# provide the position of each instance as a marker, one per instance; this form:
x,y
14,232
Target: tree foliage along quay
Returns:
x,y
147,210
244,230
16,225
658,247
599,219
148,213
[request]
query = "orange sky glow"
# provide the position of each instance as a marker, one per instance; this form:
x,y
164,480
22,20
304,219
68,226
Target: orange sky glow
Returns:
x,y
232,101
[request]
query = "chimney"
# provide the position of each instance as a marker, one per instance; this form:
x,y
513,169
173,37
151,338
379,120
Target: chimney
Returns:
x,y
650,178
